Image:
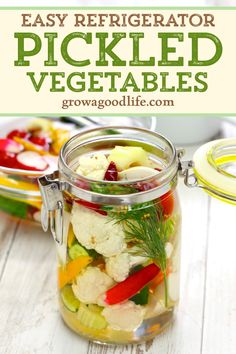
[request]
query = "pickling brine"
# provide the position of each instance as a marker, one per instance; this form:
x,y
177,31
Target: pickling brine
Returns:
x,y
118,270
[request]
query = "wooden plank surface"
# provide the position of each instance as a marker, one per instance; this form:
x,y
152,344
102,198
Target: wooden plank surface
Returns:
x,y
8,229
30,322
220,304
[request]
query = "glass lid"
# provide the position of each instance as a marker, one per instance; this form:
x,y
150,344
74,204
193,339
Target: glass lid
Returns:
x,y
215,168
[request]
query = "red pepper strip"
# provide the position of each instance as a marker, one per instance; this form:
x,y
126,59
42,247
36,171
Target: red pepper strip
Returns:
x,y
92,206
111,172
167,202
132,285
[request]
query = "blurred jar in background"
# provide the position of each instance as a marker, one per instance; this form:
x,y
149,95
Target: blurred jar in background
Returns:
x,y
188,129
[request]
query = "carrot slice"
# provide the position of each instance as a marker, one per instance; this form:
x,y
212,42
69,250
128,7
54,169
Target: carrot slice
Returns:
x,y
158,280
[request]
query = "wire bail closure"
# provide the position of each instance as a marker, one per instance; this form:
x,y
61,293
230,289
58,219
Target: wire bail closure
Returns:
x,y
191,180
185,167
53,205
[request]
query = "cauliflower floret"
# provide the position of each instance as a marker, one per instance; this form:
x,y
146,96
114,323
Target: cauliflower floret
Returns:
x,y
112,246
85,223
124,317
94,231
93,166
98,174
118,267
91,284
135,259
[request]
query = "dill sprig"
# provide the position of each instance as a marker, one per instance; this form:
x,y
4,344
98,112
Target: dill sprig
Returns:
x,y
144,224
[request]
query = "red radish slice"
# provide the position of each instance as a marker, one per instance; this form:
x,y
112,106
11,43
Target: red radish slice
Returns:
x,y
145,186
8,159
30,160
167,203
9,145
52,161
23,134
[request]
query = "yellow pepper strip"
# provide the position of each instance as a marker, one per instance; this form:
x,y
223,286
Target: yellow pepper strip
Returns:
x,y
71,237
72,269
13,183
60,136
30,146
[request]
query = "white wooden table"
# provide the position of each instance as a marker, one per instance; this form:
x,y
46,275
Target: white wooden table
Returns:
x,y
206,318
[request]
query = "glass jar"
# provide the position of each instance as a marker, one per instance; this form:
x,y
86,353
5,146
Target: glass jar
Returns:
x,y
19,195
214,166
118,242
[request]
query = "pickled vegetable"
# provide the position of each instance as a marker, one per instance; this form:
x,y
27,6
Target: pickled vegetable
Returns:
x,y
76,251
69,299
34,148
72,269
132,285
91,317
128,156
